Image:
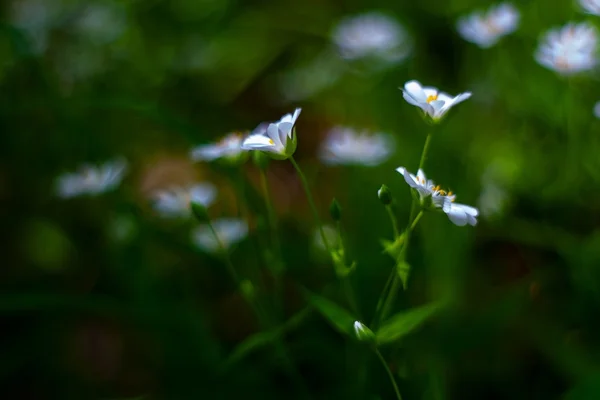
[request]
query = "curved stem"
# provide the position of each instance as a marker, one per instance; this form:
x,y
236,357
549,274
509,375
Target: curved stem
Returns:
x,y
311,202
389,372
394,222
425,150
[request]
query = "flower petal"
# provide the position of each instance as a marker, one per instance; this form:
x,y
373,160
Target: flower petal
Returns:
x,y
258,142
413,89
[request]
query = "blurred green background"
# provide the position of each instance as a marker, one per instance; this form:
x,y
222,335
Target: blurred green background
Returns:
x,y
102,299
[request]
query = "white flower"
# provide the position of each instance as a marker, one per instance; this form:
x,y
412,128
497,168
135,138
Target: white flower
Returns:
x,y
371,35
229,231
569,50
459,214
492,200
597,109
230,147
175,202
91,180
346,146
485,29
591,6
434,103
36,18
276,138
101,22
362,332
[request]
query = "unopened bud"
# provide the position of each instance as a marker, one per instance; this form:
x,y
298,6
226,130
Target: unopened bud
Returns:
x,y
199,211
362,332
385,195
335,210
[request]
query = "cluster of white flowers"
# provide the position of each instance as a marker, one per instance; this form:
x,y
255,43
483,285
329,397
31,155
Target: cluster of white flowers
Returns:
x,y
486,29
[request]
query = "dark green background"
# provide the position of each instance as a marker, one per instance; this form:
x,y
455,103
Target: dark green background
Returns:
x,y
86,316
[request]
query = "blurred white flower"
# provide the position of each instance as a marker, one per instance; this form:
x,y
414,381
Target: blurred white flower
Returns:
x,y
229,147
175,202
346,146
492,200
101,22
485,29
371,35
276,138
91,180
459,214
591,6
331,234
597,109
434,103
570,49
36,18
229,231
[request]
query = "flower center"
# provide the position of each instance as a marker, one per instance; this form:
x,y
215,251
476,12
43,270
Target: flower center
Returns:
x,y
431,97
271,141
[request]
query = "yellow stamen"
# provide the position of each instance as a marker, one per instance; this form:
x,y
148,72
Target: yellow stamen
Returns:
x,y
271,141
432,97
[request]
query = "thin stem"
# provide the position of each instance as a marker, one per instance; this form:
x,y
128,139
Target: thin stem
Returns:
x,y
274,237
394,221
311,203
225,254
415,221
347,287
425,150
389,372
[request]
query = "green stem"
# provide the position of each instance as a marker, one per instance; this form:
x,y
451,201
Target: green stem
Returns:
x,y
259,311
394,221
389,372
425,150
311,203
347,287
274,238
346,280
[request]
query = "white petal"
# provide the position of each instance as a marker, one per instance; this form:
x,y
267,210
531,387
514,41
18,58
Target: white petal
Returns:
x,y
203,193
258,142
413,89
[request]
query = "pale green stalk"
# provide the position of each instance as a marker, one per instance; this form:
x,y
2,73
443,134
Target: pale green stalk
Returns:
x,y
257,309
347,286
412,222
389,372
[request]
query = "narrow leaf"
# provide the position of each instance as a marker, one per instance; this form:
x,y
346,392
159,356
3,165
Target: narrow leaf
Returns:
x,y
339,318
405,322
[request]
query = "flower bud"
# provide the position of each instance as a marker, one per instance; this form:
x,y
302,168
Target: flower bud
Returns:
x,y
199,211
335,210
362,332
385,195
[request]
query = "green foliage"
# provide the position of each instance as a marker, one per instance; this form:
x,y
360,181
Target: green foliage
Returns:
x,y
405,322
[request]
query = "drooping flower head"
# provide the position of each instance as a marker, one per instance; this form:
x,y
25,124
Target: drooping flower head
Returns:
x,y
345,146
371,35
91,180
228,148
229,232
278,139
435,104
569,50
175,202
433,197
591,6
485,29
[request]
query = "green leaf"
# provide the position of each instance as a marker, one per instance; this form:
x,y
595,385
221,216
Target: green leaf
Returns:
x,y
393,248
403,270
339,318
405,322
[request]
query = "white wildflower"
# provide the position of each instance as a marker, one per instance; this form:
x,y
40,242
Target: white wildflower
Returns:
x,y
229,232
591,6
433,197
371,35
346,146
276,138
570,49
91,180
175,202
434,103
485,29
101,22
229,148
